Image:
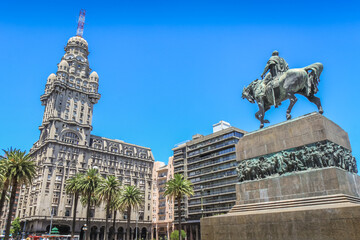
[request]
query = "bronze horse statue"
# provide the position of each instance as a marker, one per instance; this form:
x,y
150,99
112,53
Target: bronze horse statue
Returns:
x,y
302,81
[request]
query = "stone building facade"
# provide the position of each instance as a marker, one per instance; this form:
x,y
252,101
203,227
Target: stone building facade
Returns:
x,y
163,207
209,162
66,147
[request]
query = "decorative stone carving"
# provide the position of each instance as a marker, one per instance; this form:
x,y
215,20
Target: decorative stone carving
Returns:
x,y
318,155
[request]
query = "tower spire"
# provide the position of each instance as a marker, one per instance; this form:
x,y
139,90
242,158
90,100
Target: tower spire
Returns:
x,y
81,22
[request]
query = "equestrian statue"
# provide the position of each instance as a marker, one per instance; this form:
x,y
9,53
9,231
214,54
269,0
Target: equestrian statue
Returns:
x,y
281,83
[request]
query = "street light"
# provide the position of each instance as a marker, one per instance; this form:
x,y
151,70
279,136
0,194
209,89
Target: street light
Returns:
x,y
23,235
51,221
84,228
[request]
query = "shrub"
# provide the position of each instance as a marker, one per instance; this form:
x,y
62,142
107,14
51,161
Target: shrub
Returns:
x,y
175,235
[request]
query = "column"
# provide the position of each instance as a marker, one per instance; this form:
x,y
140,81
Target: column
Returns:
x,y
115,235
185,229
97,235
191,232
156,233
152,233
167,231
197,232
124,237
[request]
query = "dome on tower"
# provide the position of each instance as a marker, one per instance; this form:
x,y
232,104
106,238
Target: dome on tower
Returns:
x,y
94,77
77,41
63,65
51,78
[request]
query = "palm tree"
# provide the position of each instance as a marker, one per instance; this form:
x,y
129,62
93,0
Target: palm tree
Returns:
x,y
87,186
72,187
178,187
21,169
107,190
5,181
116,206
131,198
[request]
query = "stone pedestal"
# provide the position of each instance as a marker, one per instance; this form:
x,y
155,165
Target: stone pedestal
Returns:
x,y
312,205
319,203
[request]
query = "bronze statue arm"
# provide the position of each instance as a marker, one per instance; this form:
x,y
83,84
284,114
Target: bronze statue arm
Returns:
x,y
268,65
265,70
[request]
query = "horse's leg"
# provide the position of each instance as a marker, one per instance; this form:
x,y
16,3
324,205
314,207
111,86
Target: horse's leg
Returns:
x,y
261,114
314,100
293,100
265,109
317,102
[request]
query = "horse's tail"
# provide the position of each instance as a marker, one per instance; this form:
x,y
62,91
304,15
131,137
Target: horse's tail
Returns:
x,y
314,71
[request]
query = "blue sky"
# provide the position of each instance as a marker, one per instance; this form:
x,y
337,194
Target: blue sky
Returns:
x,y
171,69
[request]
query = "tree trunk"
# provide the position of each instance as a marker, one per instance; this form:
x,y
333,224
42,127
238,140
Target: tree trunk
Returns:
x,y
88,217
114,222
106,220
3,196
11,206
128,223
76,198
179,213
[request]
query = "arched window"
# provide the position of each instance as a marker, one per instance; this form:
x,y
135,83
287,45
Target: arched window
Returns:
x,y
70,137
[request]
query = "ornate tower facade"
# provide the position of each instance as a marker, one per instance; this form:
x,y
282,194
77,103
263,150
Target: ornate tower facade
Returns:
x,y
66,147
70,96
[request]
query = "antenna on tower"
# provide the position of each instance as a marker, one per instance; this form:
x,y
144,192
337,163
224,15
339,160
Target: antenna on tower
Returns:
x,y
81,22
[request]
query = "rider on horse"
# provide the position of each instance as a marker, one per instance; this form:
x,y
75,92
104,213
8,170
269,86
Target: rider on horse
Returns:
x,y
277,66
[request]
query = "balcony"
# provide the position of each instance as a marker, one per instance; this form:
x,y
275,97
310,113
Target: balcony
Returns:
x,y
213,162
216,176
213,147
197,187
213,170
216,200
198,159
216,209
209,193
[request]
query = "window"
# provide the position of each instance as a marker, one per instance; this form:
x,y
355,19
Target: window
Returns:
x,y
67,212
70,137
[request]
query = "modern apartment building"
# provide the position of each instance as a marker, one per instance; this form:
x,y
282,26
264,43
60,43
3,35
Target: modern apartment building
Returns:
x,y
163,207
66,147
209,162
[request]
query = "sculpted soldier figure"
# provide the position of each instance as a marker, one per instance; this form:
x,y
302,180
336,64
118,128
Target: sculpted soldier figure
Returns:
x,y
277,66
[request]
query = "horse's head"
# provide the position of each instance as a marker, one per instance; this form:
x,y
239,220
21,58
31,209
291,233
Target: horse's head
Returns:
x,y
248,93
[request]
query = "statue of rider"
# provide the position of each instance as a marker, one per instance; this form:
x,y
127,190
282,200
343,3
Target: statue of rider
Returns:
x,y
277,66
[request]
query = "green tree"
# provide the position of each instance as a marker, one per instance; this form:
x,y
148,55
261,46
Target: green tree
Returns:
x,y
115,206
131,198
73,187
107,191
21,169
175,235
87,186
15,227
178,187
4,176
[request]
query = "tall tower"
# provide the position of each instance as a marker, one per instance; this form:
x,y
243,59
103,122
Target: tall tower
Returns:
x,y
66,147
69,97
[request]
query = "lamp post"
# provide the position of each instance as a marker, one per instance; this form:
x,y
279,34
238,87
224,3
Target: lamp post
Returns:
x,y
51,221
85,229
136,225
23,233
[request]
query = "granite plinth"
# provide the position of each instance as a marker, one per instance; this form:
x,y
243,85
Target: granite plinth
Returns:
x,y
301,131
317,182
321,204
